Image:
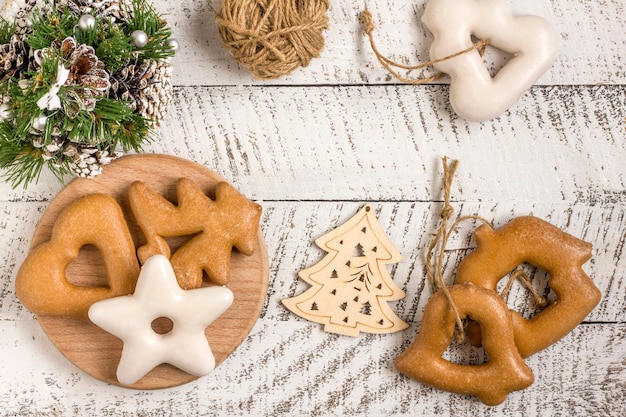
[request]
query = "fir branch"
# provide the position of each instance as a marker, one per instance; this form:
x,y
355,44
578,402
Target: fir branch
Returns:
x,y
22,163
114,48
110,124
51,26
145,18
123,126
7,29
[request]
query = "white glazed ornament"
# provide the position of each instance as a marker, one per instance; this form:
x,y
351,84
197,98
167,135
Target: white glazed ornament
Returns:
x,y
157,295
474,94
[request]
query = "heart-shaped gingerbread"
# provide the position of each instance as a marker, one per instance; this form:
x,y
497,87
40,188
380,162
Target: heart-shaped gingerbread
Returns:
x,y
474,94
537,242
492,381
97,220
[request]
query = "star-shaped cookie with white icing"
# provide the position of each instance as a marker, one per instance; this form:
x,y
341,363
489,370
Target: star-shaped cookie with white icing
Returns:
x,y
158,295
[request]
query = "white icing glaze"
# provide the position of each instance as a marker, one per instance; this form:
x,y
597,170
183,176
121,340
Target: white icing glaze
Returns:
x,y
157,294
474,94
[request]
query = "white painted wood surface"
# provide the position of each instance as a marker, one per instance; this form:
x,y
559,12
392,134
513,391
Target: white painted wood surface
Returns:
x,y
312,148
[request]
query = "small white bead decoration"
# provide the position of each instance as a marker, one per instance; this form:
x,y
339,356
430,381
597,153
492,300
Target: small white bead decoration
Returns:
x,y
40,122
139,38
86,22
173,43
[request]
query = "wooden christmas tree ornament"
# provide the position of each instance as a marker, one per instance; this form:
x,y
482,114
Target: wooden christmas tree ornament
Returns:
x,y
351,286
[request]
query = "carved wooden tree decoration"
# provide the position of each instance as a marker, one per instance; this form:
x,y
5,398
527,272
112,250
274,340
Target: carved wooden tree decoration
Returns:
x,y
351,286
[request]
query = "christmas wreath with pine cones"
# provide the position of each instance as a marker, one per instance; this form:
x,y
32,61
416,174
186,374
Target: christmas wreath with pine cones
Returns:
x,y
81,82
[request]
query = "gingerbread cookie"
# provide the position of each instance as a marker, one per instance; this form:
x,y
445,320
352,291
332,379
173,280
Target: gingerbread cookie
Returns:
x,y
217,226
41,283
98,212
492,381
532,240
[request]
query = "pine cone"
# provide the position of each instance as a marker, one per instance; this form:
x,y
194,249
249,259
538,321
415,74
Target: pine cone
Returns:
x,y
107,9
21,11
148,87
90,160
86,72
84,160
13,58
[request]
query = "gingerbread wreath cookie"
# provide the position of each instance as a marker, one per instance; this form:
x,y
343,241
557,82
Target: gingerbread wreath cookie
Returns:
x,y
83,255
42,284
507,337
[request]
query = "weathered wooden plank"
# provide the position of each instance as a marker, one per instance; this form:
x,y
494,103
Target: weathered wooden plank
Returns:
x,y
385,143
289,368
411,226
314,146
592,42
290,230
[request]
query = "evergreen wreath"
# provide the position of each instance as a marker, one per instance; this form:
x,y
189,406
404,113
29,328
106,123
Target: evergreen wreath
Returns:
x,y
80,80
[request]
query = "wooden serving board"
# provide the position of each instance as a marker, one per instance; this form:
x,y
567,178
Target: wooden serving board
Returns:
x,y
98,352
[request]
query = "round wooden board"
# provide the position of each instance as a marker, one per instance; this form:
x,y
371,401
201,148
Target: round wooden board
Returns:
x,y
98,352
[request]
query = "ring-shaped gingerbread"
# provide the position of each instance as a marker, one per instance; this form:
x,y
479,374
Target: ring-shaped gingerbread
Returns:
x,y
491,381
531,240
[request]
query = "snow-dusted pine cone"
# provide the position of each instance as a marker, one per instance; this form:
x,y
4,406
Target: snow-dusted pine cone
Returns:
x,y
86,71
88,161
84,160
20,10
13,58
108,9
147,86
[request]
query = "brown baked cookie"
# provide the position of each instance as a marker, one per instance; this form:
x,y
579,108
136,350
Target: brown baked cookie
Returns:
x,y
97,219
492,381
532,240
216,226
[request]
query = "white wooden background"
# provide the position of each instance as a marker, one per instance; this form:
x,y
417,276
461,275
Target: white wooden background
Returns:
x,y
315,146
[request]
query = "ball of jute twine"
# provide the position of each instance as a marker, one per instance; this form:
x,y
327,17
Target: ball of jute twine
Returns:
x,y
273,37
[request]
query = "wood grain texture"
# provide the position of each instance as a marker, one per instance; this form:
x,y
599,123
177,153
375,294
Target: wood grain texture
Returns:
x,y
314,147
286,370
346,143
290,230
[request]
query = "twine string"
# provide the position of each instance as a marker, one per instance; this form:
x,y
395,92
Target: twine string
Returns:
x,y
522,276
435,258
389,64
434,268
